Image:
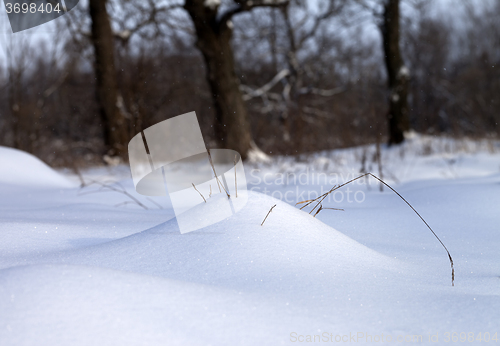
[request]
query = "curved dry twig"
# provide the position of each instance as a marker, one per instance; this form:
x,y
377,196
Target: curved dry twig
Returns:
x,y
269,212
111,186
323,196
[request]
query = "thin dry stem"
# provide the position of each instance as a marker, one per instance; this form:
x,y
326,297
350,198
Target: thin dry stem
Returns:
x,y
309,200
322,208
227,193
110,186
213,168
269,212
77,171
321,200
125,203
312,200
199,193
379,162
235,182
152,201
216,177
317,212
384,183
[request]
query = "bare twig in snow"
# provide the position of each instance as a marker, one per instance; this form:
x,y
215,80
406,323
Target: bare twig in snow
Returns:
x,y
379,162
213,168
269,212
119,188
199,193
323,196
321,208
152,201
235,182
216,177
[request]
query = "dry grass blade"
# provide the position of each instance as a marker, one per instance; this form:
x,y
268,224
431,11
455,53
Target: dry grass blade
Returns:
x,y
317,212
321,208
158,205
227,193
235,182
269,212
309,200
80,176
421,218
322,197
312,200
125,203
199,193
111,186
213,168
216,177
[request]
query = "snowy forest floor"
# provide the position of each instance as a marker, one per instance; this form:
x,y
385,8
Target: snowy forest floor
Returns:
x,y
76,269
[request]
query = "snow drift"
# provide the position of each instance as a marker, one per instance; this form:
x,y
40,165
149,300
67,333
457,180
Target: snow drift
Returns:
x,y
20,168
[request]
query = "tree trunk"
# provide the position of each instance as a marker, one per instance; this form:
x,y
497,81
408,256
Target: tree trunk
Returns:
x,y
294,118
13,100
114,125
398,74
232,128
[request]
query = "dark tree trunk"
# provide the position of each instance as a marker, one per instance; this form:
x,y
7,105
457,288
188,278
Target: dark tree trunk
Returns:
x,y
293,121
114,125
232,128
398,74
13,99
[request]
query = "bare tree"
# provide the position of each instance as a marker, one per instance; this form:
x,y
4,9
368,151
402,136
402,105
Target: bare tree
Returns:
x,y
295,90
20,62
213,31
114,126
297,77
291,61
398,74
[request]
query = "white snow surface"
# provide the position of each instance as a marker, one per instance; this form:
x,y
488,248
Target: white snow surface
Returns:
x,y
76,269
20,168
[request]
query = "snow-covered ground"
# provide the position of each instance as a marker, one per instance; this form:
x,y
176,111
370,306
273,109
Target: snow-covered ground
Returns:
x,y
76,269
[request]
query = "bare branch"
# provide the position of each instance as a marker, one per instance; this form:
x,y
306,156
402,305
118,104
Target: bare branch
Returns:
x,y
334,7
125,34
317,112
265,88
321,92
50,90
248,5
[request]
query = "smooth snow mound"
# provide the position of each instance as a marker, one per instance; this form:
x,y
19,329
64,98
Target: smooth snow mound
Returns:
x,y
20,168
239,251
